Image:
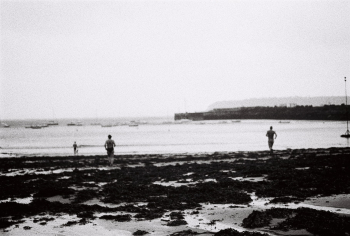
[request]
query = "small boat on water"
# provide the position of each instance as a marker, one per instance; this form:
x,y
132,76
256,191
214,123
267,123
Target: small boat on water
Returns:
x,y
35,127
284,122
108,125
95,124
133,124
38,126
51,122
4,125
235,121
79,123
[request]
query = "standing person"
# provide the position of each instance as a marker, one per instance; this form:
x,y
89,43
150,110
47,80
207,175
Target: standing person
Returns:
x,y
109,145
271,136
75,147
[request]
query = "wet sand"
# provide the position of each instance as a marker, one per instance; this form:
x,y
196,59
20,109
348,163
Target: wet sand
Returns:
x,y
226,193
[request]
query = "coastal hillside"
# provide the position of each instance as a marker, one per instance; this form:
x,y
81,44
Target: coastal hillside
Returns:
x,y
284,101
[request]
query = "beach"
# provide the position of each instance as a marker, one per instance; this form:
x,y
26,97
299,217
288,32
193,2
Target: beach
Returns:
x,y
293,192
190,97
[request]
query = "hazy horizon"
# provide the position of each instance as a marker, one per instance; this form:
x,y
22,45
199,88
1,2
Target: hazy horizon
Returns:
x,y
250,102
154,58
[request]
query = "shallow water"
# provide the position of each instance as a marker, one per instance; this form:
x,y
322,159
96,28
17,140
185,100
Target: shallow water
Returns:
x,y
156,136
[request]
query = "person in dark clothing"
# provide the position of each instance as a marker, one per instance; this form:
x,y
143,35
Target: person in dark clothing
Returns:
x,y
271,138
109,146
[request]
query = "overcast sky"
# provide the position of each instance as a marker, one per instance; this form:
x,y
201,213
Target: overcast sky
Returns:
x,y
154,58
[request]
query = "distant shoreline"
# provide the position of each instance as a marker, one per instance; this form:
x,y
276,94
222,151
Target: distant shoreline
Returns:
x,y
326,112
287,151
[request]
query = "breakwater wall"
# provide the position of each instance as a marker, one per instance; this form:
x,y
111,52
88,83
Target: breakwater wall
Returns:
x,y
326,112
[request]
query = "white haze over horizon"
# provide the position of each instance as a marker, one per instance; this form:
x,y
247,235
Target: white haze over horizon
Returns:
x,y
83,58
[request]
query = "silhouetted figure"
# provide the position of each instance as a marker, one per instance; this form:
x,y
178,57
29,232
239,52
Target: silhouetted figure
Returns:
x,y
271,138
109,145
75,147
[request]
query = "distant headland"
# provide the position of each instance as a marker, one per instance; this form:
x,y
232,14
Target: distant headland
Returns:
x,y
289,108
283,101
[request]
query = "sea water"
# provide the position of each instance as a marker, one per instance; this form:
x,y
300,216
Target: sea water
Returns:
x,y
163,135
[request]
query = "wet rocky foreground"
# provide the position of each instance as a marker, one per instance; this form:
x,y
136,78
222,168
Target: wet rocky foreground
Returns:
x,y
177,194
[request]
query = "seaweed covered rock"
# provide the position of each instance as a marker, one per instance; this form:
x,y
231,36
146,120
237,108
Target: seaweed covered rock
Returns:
x,y
119,218
150,214
86,214
280,213
4,223
52,190
140,232
85,195
176,216
321,223
232,232
82,221
176,223
257,219
70,223
185,233
285,200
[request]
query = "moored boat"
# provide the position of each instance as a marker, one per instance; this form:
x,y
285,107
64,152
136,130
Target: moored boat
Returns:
x,y
51,122
133,124
78,123
4,125
95,123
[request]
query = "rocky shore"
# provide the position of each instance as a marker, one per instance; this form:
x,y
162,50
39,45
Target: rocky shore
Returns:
x,y
293,192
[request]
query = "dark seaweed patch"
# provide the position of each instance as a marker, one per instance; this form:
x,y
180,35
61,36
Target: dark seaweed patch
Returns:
x,y
257,219
140,232
185,233
4,223
176,223
233,232
120,218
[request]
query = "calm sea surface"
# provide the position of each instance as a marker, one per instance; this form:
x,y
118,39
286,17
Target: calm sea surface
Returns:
x,y
163,135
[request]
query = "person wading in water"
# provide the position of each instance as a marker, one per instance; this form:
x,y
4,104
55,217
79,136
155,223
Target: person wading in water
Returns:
x,y
109,145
